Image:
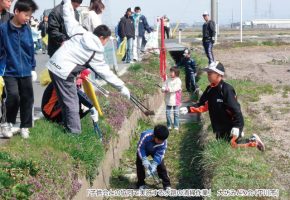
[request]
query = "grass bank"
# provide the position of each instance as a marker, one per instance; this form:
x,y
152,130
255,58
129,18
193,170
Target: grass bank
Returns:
x,y
48,164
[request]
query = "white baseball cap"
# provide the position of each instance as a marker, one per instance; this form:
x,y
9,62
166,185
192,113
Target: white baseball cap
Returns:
x,y
216,67
205,13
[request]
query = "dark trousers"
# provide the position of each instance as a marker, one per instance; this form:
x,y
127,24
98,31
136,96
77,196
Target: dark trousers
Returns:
x,y
161,170
208,44
66,91
190,81
19,93
167,31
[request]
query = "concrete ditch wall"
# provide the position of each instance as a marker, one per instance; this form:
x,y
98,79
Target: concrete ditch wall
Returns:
x,y
117,147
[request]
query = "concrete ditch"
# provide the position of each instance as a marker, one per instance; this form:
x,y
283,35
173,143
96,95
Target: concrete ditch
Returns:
x,y
116,148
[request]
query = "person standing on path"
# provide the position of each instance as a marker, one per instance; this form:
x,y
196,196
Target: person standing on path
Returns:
x,y
43,26
166,26
127,30
94,18
18,68
141,25
56,29
208,36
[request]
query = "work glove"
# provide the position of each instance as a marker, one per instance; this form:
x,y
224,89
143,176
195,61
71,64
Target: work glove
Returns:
x,y
163,89
213,40
125,92
235,132
183,110
145,163
33,76
153,167
94,114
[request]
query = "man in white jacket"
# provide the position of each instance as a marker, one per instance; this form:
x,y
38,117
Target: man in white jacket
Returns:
x,y
83,50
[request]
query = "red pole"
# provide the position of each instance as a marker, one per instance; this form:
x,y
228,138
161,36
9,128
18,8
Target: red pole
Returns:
x,y
162,52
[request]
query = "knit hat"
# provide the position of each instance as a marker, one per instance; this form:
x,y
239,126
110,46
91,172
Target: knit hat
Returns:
x,y
216,67
161,132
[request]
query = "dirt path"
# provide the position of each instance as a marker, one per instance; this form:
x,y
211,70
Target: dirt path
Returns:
x,y
260,64
272,112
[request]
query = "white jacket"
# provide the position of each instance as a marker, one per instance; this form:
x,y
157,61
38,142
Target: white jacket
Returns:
x,y
173,94
92,21
79,49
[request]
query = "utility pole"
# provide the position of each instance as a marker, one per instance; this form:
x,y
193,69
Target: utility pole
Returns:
x,y
214,15
241,23
53,3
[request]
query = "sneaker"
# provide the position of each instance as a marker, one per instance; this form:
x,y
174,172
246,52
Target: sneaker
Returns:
x,y
169,127
143,187
260,144
24,132
167,188
132,62
176,128
6,130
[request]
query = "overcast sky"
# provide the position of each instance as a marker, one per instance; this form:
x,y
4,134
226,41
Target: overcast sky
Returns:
x,y
189,11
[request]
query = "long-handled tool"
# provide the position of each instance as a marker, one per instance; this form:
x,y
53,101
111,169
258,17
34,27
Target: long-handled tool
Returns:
x,y
98,130
144,109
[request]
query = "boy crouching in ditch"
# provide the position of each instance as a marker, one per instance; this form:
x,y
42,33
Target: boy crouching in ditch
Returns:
x,y
152,143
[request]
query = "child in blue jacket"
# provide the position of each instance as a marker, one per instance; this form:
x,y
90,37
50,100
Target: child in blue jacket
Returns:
x,y
18,67
152,143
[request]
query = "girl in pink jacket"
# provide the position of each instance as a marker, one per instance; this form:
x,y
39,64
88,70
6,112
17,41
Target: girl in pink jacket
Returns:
x,y
172,90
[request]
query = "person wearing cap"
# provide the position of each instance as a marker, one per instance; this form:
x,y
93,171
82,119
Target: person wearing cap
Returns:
x,y
190,71
127,30
225,113
208,36
152,143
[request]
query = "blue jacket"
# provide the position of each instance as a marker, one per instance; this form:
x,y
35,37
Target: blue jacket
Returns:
x,y
147,146
17,51
143,26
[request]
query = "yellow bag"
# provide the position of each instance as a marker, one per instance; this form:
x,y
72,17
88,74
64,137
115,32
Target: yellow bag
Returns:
x,y
2,84
122,49
45,39
44,77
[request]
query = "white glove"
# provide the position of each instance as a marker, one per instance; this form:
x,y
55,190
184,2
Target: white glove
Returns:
x,y
183,110
94,115
125,92
235,132
33,76
163,89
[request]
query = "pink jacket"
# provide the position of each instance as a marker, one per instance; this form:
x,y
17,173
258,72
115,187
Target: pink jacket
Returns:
x,y
173,96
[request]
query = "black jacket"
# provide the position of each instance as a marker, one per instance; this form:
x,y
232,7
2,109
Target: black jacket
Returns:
x,y
43,26
127,28
56,29
5,16
188,64
224,109
208,30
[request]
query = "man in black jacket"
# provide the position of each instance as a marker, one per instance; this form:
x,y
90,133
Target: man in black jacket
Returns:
x,y
208,36
5,15
225,113
56,29
127,30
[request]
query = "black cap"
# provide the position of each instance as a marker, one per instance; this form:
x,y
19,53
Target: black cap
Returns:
x,y
161,132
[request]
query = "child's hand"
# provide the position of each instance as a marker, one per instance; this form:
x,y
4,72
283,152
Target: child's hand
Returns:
x,y
163,89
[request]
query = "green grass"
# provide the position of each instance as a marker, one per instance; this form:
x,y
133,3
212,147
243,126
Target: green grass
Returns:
x,y
181,159
59,157
57,154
